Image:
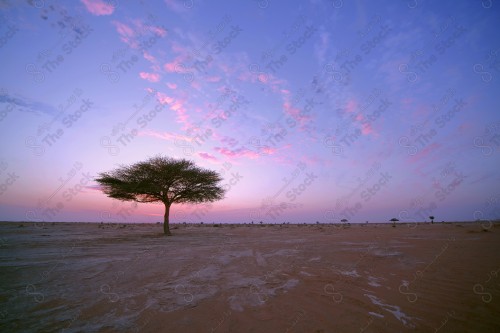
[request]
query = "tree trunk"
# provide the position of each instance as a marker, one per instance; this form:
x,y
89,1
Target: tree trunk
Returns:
x,y
166,229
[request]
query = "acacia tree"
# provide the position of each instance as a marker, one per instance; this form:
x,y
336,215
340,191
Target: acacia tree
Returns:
x,y
394,220
432,218
162,179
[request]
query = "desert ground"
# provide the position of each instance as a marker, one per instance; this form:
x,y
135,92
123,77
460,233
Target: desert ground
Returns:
x,y
89,277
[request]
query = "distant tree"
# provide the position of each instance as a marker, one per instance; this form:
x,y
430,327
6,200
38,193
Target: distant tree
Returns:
x,y
343,220
432,218
394,220
162,179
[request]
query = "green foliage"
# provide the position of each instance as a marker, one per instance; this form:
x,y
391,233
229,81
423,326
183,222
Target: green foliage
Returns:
x,y
162,179
394,220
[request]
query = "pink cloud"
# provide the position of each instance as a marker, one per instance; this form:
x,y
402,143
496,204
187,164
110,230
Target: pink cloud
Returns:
x,y
291,110
245,152
407,102
176,105
170,67
130,34
300,116
213,79
179,48
207,156
149,57
351,106
358,118
268,150
126,33
315,160
240,152
183,118
266,79
419,112
160,31
176,66
171,85
196,85
465,127
151,77
123,29
143,28
98,7
163,98
424,153
177,6
165,136
366,129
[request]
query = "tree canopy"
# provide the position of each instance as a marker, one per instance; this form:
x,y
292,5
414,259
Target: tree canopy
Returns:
x,y
162,179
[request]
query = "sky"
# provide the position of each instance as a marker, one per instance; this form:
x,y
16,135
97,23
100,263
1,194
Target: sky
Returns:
x,y
312,111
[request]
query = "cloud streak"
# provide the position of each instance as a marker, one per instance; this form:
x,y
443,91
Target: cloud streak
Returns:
x,y
151,77
98,7
25,104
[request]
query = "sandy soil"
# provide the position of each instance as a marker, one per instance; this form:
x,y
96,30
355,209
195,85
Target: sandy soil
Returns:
x,y
75,277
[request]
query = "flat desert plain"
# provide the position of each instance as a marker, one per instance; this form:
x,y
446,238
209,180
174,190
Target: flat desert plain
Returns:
x,y
84,277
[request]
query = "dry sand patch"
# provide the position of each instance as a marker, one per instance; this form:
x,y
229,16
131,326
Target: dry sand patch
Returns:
x,y
307,278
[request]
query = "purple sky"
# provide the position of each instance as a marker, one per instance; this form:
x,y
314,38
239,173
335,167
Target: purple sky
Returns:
x,y
311,110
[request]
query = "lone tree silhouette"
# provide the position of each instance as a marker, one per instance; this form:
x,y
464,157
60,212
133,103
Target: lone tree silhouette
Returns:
x,y
162,179
394,220
432,218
